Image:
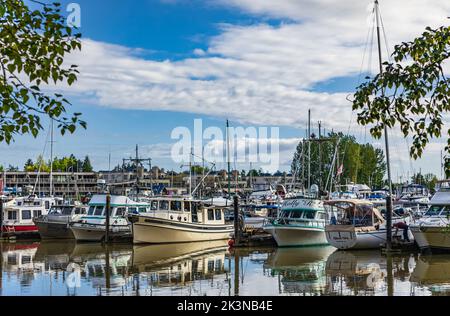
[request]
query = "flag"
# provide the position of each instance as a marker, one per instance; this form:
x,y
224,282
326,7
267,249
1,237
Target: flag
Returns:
x,y
340,170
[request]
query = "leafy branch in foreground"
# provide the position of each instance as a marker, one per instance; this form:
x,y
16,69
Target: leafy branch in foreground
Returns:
x,y
33,44
413,91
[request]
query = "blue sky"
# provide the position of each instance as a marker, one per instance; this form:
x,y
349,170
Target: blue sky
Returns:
x,y
149,66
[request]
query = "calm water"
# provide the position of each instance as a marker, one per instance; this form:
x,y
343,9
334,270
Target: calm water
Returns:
x,y
66,268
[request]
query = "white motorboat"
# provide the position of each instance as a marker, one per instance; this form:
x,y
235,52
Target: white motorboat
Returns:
x,y
357,224
92,227
301,222
432,231
18,214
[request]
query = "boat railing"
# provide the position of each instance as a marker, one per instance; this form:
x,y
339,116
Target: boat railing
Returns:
x,y
301,222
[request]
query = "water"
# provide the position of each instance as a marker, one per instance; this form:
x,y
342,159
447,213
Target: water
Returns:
x,y
67,268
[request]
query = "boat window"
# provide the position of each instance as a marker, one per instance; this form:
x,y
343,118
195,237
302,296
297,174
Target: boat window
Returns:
x,y
154,205
19,203
26,214
67,210
434,210
120,211
91,210
322,216
187,207
310,215
210,215
99,210
296,214
36,203
142,210
47,205
218,215
446,211
12,215
37,213
12,259
26,259
175,206
77,211
164,205
133,210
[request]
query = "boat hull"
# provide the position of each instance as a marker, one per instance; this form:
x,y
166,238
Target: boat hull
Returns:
x,y
297,236
54,230
20,231
159,231
96,233
347,237
432,237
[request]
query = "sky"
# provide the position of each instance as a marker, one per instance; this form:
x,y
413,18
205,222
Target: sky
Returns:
x,y
150,66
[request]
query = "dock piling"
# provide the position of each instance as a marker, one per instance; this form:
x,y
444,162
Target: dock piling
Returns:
x,y
237,233
108,214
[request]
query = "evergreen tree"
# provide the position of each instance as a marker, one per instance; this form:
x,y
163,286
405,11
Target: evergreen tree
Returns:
x,y
87,167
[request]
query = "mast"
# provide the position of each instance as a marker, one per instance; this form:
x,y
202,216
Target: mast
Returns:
x,y
51,157
228,158
386,138
309,151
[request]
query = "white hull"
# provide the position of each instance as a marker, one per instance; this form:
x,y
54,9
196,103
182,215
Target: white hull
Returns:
x,y
291,236
158,231
433,237
349,239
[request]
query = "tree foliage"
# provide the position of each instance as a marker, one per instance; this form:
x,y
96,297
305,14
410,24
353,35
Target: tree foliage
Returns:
x,y
33,44
362,163
413,91
64,164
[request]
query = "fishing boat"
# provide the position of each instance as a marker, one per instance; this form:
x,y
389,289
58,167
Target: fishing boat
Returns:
x,y
357,224
301,222
56,224
180,220
18,214
92,226
432,231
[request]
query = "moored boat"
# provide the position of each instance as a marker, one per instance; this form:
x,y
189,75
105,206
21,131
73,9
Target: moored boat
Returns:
x,y
301,223
180,220
18,214
357,224
432,231
56,224
92,227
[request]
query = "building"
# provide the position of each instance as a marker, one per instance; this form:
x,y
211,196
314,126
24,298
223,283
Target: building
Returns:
x,y
72,185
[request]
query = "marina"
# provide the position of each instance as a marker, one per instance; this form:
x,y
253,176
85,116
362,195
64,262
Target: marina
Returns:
x,y
260,150
198,269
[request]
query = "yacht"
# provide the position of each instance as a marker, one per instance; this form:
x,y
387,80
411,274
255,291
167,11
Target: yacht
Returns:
x,y
180,220
18,214
56,224
413,194
301,222
432,230
357,224
92,226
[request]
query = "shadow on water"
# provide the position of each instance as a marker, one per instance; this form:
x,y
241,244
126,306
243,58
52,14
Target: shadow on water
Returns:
x,y
210,268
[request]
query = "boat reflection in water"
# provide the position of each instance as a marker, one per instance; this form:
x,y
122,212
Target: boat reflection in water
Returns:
x,y
432,273
300,270
209,268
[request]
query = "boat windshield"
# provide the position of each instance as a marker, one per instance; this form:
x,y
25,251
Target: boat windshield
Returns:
x,y
434,210
61,210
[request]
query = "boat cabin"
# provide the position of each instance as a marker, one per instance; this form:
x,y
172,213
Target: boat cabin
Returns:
x,y
120,206
185,210
23,209
304,212
357,213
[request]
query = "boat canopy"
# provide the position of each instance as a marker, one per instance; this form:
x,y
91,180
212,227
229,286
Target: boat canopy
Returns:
x,y
355,212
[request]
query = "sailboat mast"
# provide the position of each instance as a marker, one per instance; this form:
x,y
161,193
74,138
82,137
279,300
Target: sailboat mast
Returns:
x,y
51,157
309,151
386,138
228,158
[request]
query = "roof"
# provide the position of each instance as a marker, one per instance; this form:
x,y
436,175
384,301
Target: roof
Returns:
x,y
351,201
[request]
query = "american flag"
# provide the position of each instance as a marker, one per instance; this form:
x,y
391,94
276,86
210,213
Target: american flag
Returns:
x,y
340,170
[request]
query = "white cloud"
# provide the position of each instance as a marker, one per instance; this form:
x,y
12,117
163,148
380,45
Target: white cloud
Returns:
x,y
256,74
